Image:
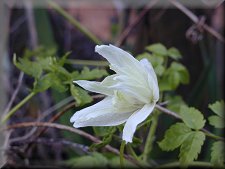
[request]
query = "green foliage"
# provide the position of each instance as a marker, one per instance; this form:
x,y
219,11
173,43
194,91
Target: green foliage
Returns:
x,y
174,53
174,102
217,154
115,163
192,117
94,160
31,68
174,136
218,108
158,49
217,120
87,74
48,71
80,95
176,74
107,133
191,147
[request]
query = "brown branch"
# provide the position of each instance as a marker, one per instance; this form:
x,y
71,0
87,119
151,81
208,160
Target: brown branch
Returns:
x,y
128,29
195,19
70,129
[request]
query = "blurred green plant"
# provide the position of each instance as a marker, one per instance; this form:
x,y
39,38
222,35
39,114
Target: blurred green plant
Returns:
x,y
48,71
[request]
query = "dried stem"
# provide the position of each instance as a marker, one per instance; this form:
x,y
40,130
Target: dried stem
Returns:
x,y
19,83
195,19
128,30
70,129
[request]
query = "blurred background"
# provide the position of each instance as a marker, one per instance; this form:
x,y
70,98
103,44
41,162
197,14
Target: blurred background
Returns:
x,y
196,30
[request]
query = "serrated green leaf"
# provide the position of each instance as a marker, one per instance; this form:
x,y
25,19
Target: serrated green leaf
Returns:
x,y
80,95
173,76
217,154
158,49
218,108
87,74
191,147
45,63
94,160
174,136
42,84
216,121
28,67
192,117
174,53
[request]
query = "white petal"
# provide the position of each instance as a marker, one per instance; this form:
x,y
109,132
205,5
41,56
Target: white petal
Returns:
x,y
148,66
136,118
98,87
119,58
152,79
115,55
100,114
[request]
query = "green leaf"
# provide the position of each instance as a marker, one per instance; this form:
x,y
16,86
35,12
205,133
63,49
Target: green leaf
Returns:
x,y
92,161
80,95
183,73
174,53
173,76
87,74
191,147
158,49
28,67
104,130
217,154
192,117
216,121
42,84
174,136
218,108
115,163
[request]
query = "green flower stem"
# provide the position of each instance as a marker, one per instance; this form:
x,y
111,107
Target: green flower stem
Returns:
x,y
74,22
150,137
200,164
122,146
14,109
87,62
132,152
211,135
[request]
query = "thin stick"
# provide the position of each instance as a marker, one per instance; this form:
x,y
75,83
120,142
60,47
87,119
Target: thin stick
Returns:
x,y
195,19
70,129
128,30
19,83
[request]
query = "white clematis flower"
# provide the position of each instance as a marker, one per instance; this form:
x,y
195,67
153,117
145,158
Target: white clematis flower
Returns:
x,y
131,93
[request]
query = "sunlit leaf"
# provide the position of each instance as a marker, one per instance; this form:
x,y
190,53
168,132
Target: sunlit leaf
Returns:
x,y
157,48
217,154
174,136
216,121
174,53
192,117
80,95
191,147
218,108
